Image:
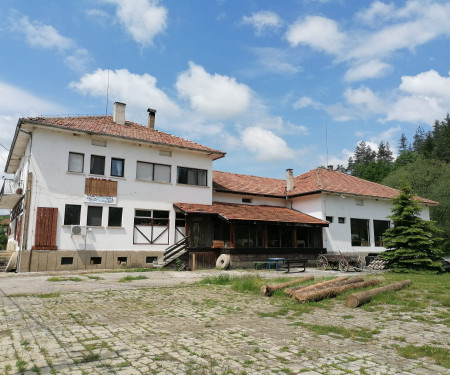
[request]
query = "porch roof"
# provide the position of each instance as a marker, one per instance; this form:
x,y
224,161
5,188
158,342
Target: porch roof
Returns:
x,y
245,212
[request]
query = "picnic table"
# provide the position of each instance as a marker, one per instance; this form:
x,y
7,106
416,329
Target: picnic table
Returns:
x,y
295,263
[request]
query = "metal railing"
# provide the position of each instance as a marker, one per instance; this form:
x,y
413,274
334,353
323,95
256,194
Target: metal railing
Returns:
x,y
9,187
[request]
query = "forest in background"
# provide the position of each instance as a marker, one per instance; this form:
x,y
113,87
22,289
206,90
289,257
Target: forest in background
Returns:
x,y
424,163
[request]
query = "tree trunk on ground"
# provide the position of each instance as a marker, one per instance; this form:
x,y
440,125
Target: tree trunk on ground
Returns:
x,y
267,290
357,299
331,291
303,288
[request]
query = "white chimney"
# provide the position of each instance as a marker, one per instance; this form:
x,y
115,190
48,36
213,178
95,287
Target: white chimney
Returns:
x,y
289,180
330,168
119,113
151,118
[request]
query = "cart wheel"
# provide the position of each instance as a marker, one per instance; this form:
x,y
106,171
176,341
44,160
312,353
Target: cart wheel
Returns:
x,y
322,262
343,265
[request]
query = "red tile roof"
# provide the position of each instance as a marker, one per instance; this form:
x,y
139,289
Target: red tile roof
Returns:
x,y
245,212
240,183
105,125
315,181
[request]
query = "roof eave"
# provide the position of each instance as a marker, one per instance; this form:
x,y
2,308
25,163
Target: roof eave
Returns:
x,y
218,154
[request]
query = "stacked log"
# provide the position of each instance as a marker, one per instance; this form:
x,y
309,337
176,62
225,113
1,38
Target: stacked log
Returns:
x,y
267,290
331,291
323,284
357,299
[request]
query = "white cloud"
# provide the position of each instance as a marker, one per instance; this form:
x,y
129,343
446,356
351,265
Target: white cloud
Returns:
x,y
306,101
318,32
44,36
376,13
423,24
137,91
429,84
276,60
263,21
368,69
266,145
142,19
364,97
216,96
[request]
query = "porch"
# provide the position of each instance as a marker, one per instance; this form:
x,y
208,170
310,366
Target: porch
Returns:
x,y
248,234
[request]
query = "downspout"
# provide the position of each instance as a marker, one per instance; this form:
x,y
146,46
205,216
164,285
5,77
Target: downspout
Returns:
x,y
24,239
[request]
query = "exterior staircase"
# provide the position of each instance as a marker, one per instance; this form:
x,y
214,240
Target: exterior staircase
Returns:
x,y
172,253
6,256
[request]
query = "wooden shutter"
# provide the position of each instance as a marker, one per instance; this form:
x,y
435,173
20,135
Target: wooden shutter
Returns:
x,y
45,234
101,187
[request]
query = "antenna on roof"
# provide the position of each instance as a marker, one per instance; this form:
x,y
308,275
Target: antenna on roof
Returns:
x,y
326,139
107,94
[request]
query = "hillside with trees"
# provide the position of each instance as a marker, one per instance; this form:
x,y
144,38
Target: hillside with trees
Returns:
x,y
424,163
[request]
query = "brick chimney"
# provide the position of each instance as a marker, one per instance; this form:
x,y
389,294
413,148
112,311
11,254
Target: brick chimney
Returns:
x,y
289,180
119,113
151,118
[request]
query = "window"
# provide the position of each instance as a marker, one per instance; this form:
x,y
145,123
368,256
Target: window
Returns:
x,y
115,217
152,172
76,162
94,216
97,165
151,227
117,166
379,227
329,219
66,261
246,200
192,176
72,214
360,232
96,260
310,237
248,235
150,259
279,236
122,260
341,220
99,142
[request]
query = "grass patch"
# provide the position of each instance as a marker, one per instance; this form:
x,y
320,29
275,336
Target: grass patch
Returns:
x,y
139,269
91,357
129,278
49,295
215,280
92,277
70,278
440,355
360,334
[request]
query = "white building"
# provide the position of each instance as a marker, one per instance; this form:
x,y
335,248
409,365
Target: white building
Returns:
x,y
102,192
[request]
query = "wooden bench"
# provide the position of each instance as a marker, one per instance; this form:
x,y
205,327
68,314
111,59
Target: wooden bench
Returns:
x,y
295,263
260,265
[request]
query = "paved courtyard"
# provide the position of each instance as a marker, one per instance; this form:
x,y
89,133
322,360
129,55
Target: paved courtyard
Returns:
x,y
167,325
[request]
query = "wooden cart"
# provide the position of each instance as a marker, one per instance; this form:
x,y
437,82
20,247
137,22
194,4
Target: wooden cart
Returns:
x,y
338,261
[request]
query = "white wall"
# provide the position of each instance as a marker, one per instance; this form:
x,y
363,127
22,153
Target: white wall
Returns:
x,y
53,186
262,201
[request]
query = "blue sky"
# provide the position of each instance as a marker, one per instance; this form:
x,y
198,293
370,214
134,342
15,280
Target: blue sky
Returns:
x,y
275,84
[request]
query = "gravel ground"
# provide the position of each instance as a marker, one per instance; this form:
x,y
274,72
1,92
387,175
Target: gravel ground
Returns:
x,y
167,325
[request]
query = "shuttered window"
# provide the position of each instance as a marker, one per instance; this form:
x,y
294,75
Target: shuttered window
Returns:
x,y
45,235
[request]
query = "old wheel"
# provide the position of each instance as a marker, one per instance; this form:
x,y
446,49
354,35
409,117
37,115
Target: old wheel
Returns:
x,y
322,262
343,265
359,265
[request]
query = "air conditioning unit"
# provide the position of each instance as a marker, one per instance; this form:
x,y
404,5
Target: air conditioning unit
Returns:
x,y
77,230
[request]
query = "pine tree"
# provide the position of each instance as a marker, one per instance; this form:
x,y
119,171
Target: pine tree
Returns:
x,y
403,143
412,241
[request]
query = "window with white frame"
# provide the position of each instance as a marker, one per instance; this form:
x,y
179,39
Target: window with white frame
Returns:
x,y
360,232
152,172
76,162
151,227
117,167
94,216
192,176
97,165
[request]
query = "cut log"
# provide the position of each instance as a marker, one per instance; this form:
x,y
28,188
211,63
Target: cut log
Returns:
x,y
291,291
267,290
357,299
332,291
351,280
